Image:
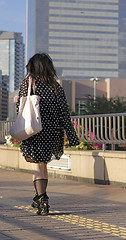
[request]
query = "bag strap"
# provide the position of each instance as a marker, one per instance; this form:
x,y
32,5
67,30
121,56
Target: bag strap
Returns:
x,y
31,83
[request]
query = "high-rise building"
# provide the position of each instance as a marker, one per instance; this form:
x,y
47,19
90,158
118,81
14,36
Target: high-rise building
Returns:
x,y
4,81
85,38
12,58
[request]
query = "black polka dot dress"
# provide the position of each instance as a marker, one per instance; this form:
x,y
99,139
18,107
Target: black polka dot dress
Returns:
x,y
55,119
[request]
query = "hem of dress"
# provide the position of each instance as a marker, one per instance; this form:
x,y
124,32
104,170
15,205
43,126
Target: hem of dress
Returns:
x,y
57,157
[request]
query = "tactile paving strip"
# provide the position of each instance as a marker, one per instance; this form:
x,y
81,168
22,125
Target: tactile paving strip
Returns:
x,y
83,222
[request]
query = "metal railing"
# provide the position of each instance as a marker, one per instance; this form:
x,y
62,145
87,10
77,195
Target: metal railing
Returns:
x,y
4,129
100,128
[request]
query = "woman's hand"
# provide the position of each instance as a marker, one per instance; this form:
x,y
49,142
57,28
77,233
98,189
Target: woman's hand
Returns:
x,y
30,160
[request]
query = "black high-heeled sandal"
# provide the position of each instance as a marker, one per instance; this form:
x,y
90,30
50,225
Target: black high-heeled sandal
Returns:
x,y
43,208
41,203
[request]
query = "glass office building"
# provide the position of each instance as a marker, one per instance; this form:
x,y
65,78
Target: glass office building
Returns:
x,y
85,38
12,58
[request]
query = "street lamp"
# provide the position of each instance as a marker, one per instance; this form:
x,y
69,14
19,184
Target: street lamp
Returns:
x,y
95,80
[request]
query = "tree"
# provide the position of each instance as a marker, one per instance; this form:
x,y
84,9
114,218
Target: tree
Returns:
x,y
103,106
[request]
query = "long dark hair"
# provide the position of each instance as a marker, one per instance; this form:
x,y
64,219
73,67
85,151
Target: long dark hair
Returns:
x,y
41,65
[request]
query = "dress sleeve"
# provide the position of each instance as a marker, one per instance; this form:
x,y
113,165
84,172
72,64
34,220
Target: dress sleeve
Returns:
x,y
65,118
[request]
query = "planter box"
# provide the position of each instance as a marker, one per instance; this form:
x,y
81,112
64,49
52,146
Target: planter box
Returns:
x,y
107,167
9,157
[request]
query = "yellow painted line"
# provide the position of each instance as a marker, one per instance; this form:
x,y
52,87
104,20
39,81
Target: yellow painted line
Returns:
x,y
89,223
1,196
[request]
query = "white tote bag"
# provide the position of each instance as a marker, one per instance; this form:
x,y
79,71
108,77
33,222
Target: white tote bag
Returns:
x,y
28,121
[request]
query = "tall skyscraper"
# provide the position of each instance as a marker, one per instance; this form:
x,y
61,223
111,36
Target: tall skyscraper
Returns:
x,y
85,38
4,80
12,58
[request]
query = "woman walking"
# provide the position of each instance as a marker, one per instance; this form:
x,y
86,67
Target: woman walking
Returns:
x,y
55,118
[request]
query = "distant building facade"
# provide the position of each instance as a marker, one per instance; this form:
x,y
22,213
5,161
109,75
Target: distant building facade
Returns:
x,y
4,82
12,58
85,38
12,113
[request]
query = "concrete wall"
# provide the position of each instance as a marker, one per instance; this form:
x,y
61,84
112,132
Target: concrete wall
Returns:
x,y
91,166
115,87
82,88
111,87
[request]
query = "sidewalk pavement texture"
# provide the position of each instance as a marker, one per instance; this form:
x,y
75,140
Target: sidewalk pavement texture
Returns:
x,y
78,210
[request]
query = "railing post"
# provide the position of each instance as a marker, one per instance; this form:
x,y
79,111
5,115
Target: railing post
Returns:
x,y
103,147
112,146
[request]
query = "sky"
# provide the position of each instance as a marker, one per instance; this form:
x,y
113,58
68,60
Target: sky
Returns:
x,y
13,16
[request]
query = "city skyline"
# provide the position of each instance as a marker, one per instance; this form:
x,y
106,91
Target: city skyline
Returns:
x,y
13,18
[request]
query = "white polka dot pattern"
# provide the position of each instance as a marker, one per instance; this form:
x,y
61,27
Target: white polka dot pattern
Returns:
x,y
55,118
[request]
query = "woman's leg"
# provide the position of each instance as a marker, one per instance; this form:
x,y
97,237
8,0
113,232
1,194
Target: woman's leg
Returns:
x,y
40,177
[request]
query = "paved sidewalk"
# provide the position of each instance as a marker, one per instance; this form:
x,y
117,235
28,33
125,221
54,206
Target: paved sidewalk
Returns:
x,y
78,210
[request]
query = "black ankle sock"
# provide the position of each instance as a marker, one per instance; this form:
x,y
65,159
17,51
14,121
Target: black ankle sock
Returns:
x,y
40,186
